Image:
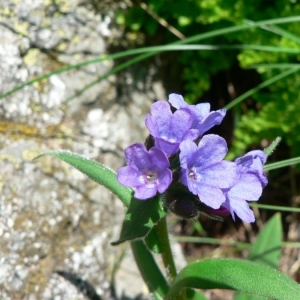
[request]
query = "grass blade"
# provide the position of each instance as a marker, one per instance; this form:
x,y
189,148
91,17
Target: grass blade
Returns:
x,y
260,86
192,39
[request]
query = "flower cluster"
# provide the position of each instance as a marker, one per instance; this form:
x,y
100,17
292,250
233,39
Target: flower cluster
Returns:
x,y
179,154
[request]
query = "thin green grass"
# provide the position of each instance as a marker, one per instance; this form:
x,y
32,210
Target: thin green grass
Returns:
x,y
181,45
225,242
260,86
275,66
281,164
153,52
275,207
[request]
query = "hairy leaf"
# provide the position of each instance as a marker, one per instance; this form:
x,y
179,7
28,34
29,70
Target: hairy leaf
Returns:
x,y
97,172
235,274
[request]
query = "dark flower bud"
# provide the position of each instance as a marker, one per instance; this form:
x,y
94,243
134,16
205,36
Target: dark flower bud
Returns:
x,y
149,142
183,208
180,201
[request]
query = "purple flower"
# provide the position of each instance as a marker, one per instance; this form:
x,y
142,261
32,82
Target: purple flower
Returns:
x,y
253,162
203,170
146,171
204,119
168,129
248,186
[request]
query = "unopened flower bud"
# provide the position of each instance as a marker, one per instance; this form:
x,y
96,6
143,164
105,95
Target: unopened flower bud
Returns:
x,y
179,201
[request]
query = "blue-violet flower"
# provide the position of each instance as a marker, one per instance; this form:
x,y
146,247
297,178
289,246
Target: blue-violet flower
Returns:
x,y
168,129
146,171
203,170
204,119
248,186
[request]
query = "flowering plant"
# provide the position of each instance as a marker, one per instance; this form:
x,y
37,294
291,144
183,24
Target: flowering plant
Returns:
x,y
196,161
181,168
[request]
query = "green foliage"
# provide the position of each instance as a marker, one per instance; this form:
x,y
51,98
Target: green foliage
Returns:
x,y
266,250
153,242
146,220
278,116
150,272
235,274
140,218
275,113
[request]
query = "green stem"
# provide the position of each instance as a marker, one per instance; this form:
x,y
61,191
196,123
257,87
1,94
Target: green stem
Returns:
x,y
167,253
149,270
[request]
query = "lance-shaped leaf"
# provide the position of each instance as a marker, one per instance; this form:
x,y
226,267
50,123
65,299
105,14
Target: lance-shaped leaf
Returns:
x,y
97,172
140,218
236,274
267,247
266,250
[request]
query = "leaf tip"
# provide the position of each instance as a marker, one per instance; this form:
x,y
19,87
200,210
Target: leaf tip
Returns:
x,y
270,149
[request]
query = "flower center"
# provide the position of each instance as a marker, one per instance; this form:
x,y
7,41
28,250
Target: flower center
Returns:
x,y
151,176
192,175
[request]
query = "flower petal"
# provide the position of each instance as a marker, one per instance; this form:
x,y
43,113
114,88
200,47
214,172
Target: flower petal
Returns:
x,y
164,180
241,208
211,149
223,174
177,101
187,156
137,155
192,134
159,158
211,196
214,118
252,162
180,123
248,188
166,146
129,176
202,110
145,192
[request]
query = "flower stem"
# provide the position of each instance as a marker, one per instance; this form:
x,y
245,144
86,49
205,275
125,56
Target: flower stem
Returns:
x,y
167,253
150,272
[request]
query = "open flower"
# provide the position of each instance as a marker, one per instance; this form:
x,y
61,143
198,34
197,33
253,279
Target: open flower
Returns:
x,y
146,171
203,170
204,119
168,129
248,186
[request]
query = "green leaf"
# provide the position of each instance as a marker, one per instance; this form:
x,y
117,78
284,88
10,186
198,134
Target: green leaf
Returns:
x,y
194,295
153,242
95,171
140,218
248,297
270,149
235,274
266,250
152,275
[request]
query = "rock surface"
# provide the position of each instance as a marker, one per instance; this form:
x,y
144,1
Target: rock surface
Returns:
x,y
56,225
